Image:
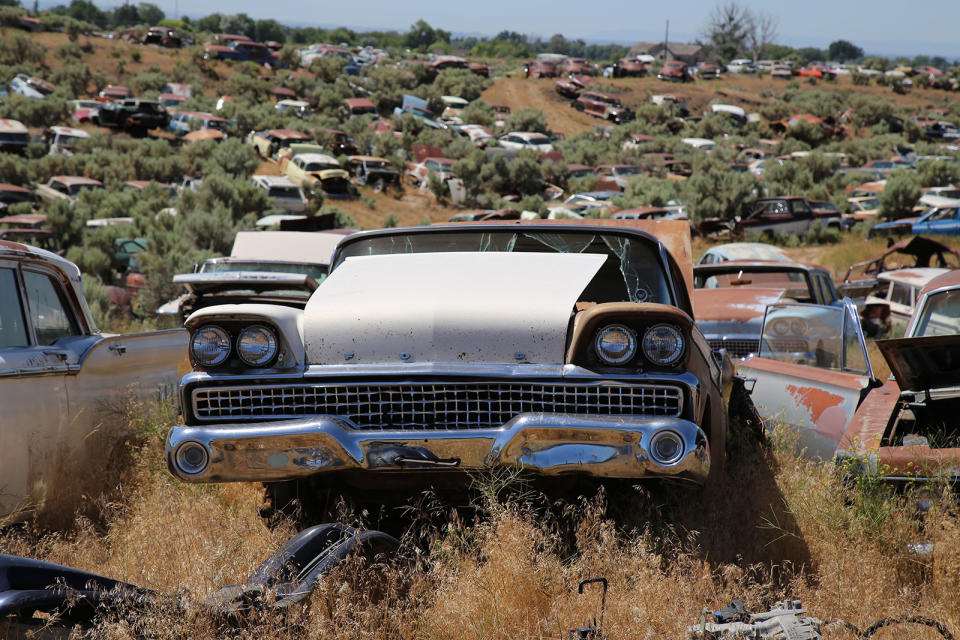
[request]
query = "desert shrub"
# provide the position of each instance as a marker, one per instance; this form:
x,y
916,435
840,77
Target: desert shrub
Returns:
x,y
937,173
479,112
69,51
712,191
459,82
136,55
147,81
18,48
527,119
231,157
775,111
328,68
390,221
35,113
643,190
806,132
860,79
73,77
900,194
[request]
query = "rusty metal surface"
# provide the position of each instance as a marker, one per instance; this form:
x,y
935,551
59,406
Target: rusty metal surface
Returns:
x,y
866,430
918,462
817,403
736,305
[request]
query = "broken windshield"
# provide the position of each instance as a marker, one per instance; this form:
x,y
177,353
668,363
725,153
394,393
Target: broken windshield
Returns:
x,y
632,272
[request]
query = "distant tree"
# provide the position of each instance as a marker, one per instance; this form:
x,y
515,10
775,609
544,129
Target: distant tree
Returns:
x,y
557,43
240,24
727,29
266,30
761,30
209,23
150,14
422,35
9,3
841,51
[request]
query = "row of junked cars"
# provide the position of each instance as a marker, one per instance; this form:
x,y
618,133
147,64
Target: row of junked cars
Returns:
x,y
318,361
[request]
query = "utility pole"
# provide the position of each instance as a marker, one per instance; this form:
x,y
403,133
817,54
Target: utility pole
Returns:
x,y
666,43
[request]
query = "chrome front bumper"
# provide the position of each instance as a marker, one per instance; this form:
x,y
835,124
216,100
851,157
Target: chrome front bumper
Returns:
x,y
548,444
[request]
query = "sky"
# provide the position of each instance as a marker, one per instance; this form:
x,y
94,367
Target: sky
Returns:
x,y
887,27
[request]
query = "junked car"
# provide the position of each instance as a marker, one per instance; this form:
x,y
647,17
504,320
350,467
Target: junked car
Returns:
x,y
900,430
603,105
132,113
915,251
268,143
891,302
320,172
62,381
572,353
14,136
264,267
66,188
731,297
285,194
517,140
375,171
60,140
744,251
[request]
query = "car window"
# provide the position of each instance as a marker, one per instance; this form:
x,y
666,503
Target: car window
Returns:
x,y
51,318
13,328
901,294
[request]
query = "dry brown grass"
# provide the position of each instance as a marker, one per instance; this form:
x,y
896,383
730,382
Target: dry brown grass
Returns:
x,y
779,526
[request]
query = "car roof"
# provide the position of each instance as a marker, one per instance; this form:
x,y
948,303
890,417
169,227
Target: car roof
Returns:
x,y
913,276
316,157
948,280
756,265
12,126
72,180
274,181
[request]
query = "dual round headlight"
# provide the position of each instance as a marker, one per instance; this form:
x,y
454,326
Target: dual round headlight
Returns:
x,y
256,345
616,344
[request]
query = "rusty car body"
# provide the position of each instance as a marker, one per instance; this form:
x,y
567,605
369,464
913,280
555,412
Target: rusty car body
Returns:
x,y
573,353
375,171
61,382
892,301
731,298
900,430
269,143
603,105
675,71
65,188
264,267
908,253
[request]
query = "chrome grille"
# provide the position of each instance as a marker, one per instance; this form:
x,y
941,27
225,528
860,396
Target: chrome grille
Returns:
x,y
788,346
438,406
737,347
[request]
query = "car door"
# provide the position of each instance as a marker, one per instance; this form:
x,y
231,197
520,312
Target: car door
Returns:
x,y
811,373
946,222
33,395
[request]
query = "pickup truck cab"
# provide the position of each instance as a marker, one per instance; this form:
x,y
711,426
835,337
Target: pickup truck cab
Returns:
x,y
66,188
62,381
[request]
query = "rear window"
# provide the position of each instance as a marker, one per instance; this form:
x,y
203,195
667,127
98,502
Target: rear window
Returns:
x,y
284,192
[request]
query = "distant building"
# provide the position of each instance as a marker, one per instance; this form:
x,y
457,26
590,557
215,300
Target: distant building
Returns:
x,y
689,53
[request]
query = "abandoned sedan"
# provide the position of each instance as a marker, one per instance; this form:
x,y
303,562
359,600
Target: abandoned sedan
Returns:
x,y
63,383
571,352
731,298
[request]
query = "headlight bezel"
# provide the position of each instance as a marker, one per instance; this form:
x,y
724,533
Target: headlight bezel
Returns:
x,y
632,342
679,353
272,335
226,339
235,360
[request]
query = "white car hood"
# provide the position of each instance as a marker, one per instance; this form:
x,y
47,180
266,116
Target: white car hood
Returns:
x,y
491,307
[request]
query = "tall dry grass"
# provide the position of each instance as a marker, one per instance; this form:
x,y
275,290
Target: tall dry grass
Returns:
x,y
509,568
